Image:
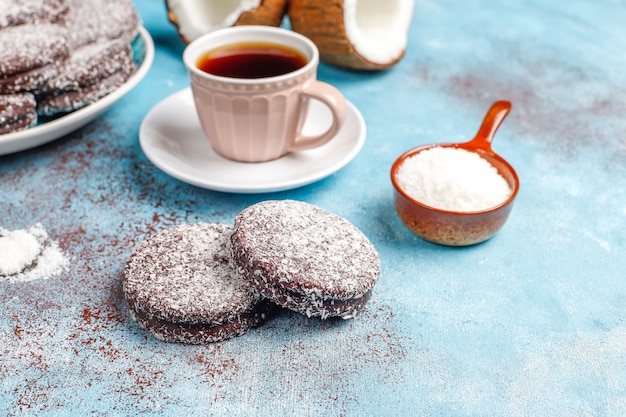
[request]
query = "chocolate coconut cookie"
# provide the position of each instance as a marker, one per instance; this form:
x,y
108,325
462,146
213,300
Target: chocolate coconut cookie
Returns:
x,y
17,112
181,286
90,73
305,258
67,53
29,55
90,21
20,12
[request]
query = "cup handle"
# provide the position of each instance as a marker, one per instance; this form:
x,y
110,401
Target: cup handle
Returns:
x,y
334,100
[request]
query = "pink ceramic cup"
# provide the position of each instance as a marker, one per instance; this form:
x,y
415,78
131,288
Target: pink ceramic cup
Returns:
x,y
260,119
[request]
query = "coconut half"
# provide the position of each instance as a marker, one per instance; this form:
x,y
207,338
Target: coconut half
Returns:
x,y
356,34
194,18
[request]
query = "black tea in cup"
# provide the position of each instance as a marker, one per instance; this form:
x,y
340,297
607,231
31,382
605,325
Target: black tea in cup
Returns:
x,y
251,60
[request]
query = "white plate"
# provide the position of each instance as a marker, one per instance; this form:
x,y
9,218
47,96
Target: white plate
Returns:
x,y
143,55
171,137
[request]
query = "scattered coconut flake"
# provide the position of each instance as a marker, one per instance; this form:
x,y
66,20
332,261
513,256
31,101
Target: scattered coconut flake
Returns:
x,y
29,254
19,250
452,179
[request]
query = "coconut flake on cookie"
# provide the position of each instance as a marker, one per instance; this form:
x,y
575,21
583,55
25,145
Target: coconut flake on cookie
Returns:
x,y
91,22
180,285
27,47
305,258
19,12
17,112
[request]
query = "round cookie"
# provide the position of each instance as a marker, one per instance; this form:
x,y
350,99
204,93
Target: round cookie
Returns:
x,y
63,102
90,73
181,286
29,55
89,65
17,112
305,258
20,12
89,22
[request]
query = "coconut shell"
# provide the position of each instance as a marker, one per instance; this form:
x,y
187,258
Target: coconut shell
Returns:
x,y
268,13
322,21
172,18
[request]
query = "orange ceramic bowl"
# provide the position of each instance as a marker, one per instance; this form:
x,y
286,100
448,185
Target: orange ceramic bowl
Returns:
x,y
454,228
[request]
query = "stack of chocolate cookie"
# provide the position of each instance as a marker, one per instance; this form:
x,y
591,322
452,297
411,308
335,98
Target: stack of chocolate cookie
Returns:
x,y
202,283
60,55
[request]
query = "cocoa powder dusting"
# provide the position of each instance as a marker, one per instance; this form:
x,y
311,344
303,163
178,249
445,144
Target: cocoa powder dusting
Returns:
x,y
368,347
81,312
557,104
69,341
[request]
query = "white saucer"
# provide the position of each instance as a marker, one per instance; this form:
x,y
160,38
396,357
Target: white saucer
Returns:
x,y
171,137
47,131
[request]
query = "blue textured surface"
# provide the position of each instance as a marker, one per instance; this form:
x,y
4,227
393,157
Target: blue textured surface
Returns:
x,y
531,322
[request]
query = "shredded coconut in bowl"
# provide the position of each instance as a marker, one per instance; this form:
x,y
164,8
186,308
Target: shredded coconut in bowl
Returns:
x,y
452,179
29,254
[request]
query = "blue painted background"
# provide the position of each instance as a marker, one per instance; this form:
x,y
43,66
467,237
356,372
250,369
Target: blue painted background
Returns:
x,y
529,323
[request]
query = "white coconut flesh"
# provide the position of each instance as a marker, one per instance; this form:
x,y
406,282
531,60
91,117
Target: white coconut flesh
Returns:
x,y
378,30
194,18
